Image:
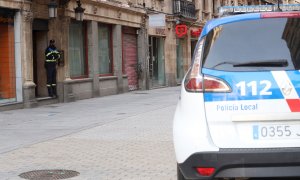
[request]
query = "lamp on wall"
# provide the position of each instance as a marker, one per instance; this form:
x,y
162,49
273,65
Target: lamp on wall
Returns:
x,y
79,11
52,6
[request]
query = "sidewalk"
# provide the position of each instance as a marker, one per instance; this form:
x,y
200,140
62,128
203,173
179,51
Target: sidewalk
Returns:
x,y
127,136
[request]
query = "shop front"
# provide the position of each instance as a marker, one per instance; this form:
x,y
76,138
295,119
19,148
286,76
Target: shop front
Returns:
x,y
156,61
181,31
157,52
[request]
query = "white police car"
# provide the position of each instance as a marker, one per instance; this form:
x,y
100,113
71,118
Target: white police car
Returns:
x,y
239,111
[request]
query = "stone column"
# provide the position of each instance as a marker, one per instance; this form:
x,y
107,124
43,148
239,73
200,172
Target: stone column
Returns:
x,y
64,38
93,56
198,9
236,3
202,8
117,54
143,57
187,53
64,84
18,56
217,5
27,60
170,55
229,3
209,8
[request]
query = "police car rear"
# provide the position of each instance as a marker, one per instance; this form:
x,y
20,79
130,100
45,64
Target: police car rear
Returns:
x,y
239,112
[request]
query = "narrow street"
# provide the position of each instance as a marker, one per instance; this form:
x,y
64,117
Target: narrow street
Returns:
x,y
126,136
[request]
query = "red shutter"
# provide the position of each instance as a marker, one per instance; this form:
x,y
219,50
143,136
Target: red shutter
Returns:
x,y
130,57
7,62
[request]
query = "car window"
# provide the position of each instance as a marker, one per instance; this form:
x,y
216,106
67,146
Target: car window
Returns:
x,y
264,44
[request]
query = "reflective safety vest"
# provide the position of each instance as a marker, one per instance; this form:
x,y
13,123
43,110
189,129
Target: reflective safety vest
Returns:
x,y
52,55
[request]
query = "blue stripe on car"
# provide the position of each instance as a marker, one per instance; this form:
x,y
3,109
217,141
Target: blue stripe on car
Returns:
x,y
233,78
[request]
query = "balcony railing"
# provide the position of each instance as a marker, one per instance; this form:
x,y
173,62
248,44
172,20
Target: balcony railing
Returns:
x,y
185,9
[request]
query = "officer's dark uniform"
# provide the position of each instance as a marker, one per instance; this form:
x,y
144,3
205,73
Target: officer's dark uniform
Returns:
x,y
52,56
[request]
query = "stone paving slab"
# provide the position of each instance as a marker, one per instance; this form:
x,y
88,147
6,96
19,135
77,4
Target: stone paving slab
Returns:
x,y
23,127
136,147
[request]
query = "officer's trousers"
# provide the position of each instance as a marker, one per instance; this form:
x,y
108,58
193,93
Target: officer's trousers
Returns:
x,y
51,78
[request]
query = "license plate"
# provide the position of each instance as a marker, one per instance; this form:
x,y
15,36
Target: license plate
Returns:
x,y
276,131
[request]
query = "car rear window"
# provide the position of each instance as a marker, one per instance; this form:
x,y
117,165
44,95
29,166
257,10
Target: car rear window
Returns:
x,y
254,45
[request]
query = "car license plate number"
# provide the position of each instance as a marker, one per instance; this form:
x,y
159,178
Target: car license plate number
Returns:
x,y
275,131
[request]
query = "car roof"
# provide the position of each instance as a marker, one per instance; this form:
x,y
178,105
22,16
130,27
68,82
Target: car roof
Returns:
x,y
228,19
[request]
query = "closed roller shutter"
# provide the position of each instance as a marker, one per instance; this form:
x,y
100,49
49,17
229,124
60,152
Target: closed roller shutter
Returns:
x,y
130,57
7,62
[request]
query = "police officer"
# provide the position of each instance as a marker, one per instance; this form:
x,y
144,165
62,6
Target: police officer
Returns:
x,y
52,57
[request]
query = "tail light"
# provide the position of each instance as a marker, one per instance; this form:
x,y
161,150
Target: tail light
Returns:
x,y
205,171
206,84
196,82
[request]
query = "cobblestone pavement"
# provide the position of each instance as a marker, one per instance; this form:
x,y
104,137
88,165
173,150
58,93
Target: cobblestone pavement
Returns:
x,y
134,147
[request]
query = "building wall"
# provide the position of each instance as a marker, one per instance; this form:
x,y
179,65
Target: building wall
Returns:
x,y
117,14
110,13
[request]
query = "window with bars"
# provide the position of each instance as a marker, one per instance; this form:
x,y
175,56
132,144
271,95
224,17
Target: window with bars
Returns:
x,y
184,8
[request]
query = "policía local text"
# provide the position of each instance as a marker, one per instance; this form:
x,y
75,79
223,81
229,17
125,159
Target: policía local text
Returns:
x,y
240,107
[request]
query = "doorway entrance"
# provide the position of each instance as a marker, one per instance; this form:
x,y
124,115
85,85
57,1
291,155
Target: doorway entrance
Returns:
x,y
156,62
40,42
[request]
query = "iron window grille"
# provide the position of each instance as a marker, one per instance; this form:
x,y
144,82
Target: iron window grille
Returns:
x,y
184,8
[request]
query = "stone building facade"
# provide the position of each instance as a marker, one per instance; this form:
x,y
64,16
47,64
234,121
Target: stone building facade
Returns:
x,y
99,54
120,46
